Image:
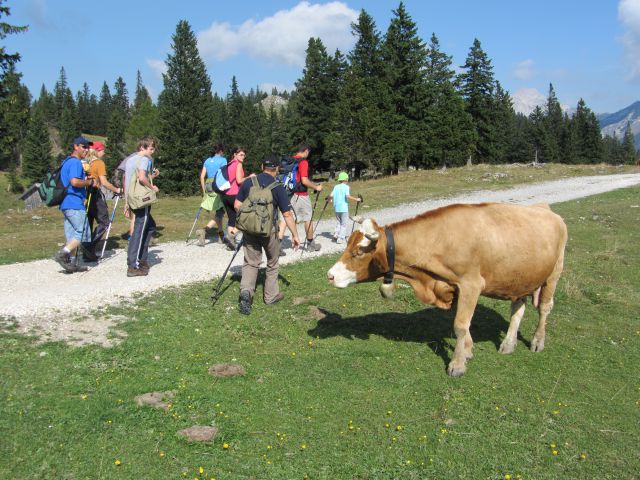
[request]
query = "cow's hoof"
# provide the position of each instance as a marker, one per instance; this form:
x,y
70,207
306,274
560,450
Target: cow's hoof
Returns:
x,y
537,345
507,347
455,371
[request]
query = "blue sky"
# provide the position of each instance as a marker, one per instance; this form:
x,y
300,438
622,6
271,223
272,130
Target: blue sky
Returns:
x,y
587,50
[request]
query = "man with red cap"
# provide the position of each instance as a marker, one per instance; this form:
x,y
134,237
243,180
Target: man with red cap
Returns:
x,y
98,210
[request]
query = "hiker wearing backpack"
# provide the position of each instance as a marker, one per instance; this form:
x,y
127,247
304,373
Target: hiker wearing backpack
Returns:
x,y
140,194
98,209
300,201
211,201
256,204
75,179
236,178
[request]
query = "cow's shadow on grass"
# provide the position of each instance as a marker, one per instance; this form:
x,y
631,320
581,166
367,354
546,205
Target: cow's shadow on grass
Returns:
x,y
431,326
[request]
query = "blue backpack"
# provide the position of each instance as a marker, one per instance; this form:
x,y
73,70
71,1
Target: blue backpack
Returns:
x,y
221,182
288,174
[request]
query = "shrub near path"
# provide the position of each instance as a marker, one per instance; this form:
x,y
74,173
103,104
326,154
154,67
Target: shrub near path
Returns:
x,y
344,384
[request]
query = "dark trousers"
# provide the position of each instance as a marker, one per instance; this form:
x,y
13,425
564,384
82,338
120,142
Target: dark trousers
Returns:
x,y
99,212
143,229
228,201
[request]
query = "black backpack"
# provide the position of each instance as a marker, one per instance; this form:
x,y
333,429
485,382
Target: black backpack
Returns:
x,y
117,177
51,190
288,174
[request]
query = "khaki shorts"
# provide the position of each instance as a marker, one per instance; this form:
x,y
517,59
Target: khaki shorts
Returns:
x,y
302,210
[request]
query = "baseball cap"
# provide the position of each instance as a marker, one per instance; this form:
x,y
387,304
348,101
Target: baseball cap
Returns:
x,y
343,176
81,141
270,161
98,146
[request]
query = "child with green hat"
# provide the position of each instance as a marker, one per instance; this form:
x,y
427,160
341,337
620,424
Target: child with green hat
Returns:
x,y
340,196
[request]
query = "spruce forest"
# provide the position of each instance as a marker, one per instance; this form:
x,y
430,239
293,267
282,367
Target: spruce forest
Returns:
x,y
392,103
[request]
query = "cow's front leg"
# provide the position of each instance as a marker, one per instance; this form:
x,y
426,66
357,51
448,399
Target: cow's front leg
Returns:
x,y
467,300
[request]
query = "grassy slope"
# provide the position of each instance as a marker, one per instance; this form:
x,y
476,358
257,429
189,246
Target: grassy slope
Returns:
x,y
36,234
358,380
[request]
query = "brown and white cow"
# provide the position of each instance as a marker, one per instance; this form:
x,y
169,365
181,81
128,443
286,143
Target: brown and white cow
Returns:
x,y
460,252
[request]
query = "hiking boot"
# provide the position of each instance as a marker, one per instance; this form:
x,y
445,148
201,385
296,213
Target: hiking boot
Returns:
x,y
73,268
137,272
142,265
245,302
278,297
282,252
230,243
200,234
220,236
64,259
340,240
313,246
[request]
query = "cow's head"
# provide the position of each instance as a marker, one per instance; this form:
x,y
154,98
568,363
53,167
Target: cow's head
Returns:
x,y
365,258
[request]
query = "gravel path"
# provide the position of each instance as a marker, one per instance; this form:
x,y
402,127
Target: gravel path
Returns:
x,y
29,291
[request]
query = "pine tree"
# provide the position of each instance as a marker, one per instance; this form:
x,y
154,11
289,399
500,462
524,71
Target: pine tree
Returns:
x,y
45,105
448,128
62,97
504,120
14,117
103,111
477,87
628,152
86,112
37,159
144,117
7,60
588,140
405,59
117,125
554,124
185,112
316,95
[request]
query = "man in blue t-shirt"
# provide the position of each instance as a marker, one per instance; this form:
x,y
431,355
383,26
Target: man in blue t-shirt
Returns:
x,y
211,201
76,229
253,245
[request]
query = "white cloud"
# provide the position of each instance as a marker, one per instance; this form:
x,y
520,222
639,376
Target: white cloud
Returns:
x,y
524,70
282,37
157,66
526,100
629,16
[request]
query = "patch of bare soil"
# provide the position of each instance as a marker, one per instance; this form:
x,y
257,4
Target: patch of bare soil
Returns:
x,y
199,433
156,399
301,300
223,370
316,313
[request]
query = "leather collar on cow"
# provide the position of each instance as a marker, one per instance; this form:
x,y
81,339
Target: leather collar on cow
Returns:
x,y
391,255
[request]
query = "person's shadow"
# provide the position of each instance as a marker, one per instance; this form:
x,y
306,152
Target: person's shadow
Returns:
x,y
431,326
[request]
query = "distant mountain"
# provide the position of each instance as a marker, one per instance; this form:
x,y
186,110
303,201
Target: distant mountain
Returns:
x,y
615,124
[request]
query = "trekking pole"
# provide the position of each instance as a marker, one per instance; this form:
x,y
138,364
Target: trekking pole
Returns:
x,y
215,295
326,202
84,225
356,212
106,238
306,233
194,224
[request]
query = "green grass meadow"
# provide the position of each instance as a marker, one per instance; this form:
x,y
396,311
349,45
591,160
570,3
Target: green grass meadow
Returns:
x,y
342,384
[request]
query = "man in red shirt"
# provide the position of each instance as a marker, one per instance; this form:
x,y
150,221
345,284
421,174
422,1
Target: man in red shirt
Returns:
x,y
300,202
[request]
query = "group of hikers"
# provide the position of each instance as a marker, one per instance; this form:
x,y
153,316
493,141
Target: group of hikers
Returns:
x,y
253,205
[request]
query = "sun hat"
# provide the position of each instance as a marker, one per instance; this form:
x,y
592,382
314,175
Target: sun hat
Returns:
x,y
343,177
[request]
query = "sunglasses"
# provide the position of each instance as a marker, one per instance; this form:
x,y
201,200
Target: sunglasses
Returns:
x,y
83,146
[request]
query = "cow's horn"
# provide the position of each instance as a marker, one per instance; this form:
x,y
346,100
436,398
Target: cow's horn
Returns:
x,y
372,236
357,219
386,289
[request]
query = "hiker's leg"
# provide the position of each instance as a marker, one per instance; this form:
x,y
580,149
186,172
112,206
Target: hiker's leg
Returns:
x,y
271,287
135,241
342,219
150,229
228,201
101,212
252,250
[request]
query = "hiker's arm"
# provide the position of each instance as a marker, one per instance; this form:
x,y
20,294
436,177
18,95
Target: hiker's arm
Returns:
x,y
203,174
79,183
291,225
309,184
353,199
109,185
240,174
144,180
236,205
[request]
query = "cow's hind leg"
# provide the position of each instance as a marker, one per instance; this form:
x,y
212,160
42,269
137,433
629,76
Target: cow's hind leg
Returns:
x,y
508,345
546,304
467,300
